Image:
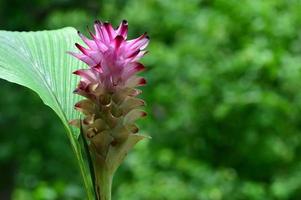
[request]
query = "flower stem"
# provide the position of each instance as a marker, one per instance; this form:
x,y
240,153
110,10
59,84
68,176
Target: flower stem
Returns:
x,y
103,183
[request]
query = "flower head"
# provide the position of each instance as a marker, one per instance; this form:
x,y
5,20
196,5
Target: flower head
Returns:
x,y
112,60
109,85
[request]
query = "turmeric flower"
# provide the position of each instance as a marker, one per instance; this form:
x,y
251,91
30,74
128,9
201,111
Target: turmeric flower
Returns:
x,y
109,84
112,60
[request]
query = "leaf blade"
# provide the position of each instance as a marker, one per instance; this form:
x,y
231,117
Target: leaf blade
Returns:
x,y
38,61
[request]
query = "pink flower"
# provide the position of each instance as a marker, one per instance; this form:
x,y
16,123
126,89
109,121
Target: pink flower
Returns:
x,y
112,59
111,106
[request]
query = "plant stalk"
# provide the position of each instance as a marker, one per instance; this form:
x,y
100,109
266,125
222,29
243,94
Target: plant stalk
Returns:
x,y
103,183
81,164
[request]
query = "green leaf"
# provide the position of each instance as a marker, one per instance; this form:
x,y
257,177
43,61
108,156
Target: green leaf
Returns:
x,y
38,60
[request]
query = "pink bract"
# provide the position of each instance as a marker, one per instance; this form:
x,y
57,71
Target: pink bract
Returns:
x,y
112,59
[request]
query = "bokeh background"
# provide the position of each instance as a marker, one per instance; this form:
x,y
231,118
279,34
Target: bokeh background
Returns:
x,y
223,93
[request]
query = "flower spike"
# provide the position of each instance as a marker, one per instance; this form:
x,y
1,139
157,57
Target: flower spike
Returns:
x,y
108,85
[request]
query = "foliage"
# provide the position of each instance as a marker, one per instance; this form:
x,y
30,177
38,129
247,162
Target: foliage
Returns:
x,y
35,60
223,100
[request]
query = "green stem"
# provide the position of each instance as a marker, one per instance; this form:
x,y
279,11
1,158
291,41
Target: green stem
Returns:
x,y
84,174
103,183
82,167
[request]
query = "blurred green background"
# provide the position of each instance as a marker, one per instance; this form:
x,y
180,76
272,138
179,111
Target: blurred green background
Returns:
x,y
223,93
